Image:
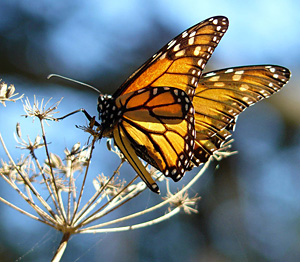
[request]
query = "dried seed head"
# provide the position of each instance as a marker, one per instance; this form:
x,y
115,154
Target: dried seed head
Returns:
x,y
181,199
7,93
55,161
111,186
40,110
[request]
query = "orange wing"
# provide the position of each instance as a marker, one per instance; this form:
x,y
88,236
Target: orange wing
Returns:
x,y
157,124
222,95
179,64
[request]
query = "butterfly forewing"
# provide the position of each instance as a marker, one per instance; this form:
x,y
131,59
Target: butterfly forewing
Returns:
x,y
222,95
179,64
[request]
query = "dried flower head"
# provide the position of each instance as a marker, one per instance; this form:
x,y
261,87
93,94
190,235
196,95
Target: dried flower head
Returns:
x,y
39,109
23,144
7,93
14,171
112,186
181,199
7,169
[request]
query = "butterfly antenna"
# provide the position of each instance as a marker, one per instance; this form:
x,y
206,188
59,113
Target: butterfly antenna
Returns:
x,y
75,81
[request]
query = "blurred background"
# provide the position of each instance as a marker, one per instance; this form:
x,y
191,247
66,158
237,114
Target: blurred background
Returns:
x,y
250,206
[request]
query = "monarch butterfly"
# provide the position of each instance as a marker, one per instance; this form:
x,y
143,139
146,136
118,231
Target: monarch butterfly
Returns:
x,y
172,117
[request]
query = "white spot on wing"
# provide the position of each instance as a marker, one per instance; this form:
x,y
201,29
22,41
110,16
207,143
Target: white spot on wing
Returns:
x,y
219,84
163,56
176,48
236,77
193,34
210,74
215,78
171,43
272,70
191,40
193,80
244,87
197,50
229,71
200,62
184,34
180,53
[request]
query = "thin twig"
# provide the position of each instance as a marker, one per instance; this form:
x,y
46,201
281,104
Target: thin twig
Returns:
x,y
136,226
44,178
69,192
89,205
84,180
26,213
59,208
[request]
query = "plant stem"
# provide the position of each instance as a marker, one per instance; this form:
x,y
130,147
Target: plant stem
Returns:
x,y
61,248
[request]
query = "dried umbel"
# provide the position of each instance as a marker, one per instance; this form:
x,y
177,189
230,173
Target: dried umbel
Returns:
x,y
63,179
7,93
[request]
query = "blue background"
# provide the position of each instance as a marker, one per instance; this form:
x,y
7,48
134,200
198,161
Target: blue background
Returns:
x,y
250,207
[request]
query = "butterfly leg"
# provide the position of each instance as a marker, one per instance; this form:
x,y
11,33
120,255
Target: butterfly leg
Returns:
x,y
87,115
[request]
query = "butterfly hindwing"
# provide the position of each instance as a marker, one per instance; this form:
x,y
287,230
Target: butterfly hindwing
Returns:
x,y
222,95
123,142
159,123
179,64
